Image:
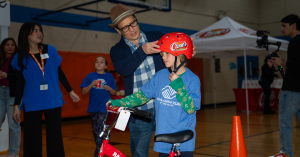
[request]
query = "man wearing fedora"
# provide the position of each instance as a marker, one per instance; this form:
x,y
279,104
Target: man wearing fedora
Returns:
x,y
136,58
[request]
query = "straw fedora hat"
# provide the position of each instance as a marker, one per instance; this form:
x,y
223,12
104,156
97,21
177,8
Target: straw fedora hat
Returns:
x,y
118,13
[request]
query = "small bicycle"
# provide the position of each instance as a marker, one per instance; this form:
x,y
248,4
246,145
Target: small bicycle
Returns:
x,y
106,149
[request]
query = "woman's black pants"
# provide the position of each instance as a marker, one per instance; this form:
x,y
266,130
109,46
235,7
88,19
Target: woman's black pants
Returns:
x,y
32,146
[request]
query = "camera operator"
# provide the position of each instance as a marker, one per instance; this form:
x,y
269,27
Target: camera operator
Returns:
x,y
289,102
265,82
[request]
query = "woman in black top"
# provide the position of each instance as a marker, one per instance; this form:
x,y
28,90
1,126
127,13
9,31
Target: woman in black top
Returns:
x,y
37,65
7,94
265,82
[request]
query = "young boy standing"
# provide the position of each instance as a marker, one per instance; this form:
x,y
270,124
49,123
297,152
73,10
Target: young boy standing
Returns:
x,y
177,93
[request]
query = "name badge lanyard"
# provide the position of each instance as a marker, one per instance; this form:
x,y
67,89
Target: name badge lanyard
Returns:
x,y
41,67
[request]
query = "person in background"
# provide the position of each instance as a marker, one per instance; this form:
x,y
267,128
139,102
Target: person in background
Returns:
x,y
7,94
265,82
120,84
289,102
101,85
38,72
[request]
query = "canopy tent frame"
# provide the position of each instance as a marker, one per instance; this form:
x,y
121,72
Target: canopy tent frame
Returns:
x,y
227,38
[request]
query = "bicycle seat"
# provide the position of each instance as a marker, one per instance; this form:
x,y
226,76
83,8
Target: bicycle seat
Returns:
x,y
178,137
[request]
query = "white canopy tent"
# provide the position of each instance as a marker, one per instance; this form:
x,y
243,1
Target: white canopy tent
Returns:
x,y
227,38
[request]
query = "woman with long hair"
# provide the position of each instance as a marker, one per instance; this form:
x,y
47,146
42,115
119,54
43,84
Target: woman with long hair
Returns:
x,y
38,71
7,94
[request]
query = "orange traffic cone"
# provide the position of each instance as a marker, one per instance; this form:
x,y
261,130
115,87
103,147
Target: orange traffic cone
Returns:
x,y
237,145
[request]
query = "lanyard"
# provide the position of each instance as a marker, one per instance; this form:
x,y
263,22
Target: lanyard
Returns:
x,y
41,67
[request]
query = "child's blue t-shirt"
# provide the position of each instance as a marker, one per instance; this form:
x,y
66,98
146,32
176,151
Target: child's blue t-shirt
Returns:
x,y
170,117
98,96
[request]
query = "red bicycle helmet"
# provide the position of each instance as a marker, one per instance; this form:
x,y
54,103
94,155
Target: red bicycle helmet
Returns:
x,y
176,43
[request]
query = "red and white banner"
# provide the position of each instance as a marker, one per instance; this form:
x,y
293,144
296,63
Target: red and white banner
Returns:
x,y
247,31
213,33
277,83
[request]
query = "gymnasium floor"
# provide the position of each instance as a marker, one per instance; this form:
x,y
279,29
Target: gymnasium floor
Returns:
x,y
213,137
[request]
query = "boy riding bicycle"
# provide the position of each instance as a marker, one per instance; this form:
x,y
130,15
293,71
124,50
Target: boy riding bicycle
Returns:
x,y
177,93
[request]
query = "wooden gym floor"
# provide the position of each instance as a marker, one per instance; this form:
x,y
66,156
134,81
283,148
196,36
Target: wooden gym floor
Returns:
x,y
213,136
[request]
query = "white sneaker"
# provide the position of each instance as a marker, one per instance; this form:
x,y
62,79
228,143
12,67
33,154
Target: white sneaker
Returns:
x,y
280,154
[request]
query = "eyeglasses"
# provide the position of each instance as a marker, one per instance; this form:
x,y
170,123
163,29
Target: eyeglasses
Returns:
x,y
126,28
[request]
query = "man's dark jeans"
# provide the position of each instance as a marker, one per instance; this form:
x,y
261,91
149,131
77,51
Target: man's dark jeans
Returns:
x,y
141,130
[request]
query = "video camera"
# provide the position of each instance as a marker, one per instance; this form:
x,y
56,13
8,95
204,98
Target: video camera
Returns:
x,y
264,43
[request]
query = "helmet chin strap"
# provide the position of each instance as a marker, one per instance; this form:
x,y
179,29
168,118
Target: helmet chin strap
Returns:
x,y
177,68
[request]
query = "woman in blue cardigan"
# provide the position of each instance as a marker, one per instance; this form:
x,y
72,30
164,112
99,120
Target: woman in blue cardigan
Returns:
x,y
38,73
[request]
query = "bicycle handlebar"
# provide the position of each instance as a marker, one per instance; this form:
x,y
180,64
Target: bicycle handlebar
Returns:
x,y
142,113
135,111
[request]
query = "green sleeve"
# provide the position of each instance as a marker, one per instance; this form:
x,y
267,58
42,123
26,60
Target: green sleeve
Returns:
x,y
130,101
182,95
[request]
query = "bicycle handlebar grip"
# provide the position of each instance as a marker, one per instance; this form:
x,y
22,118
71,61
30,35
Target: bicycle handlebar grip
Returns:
x,y
142,113
113,109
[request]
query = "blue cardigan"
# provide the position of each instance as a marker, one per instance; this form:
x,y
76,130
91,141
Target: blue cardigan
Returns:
x,y
125,62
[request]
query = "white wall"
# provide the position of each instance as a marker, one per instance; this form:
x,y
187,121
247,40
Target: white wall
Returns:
x,y
272,11
226,80
187,14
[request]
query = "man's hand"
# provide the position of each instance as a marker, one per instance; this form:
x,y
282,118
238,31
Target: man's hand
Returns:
x,y
173,76
278,60
150,48
194,48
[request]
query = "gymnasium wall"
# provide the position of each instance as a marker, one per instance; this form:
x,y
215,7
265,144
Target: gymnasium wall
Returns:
x,y
77,65
189,16
272,11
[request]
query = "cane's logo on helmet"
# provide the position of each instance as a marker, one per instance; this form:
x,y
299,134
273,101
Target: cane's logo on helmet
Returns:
x,y
179,46
168,92
213,33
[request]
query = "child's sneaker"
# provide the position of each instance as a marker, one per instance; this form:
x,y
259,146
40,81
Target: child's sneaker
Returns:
x,y
280,154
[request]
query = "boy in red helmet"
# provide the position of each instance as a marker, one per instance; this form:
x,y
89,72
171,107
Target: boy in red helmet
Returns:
x,y
176,91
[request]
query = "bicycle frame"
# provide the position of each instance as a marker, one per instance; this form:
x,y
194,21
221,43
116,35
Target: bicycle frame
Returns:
x,y
106,148
111,151
175,152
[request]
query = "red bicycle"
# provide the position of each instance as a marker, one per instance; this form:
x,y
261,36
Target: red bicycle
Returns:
x,y
106,149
